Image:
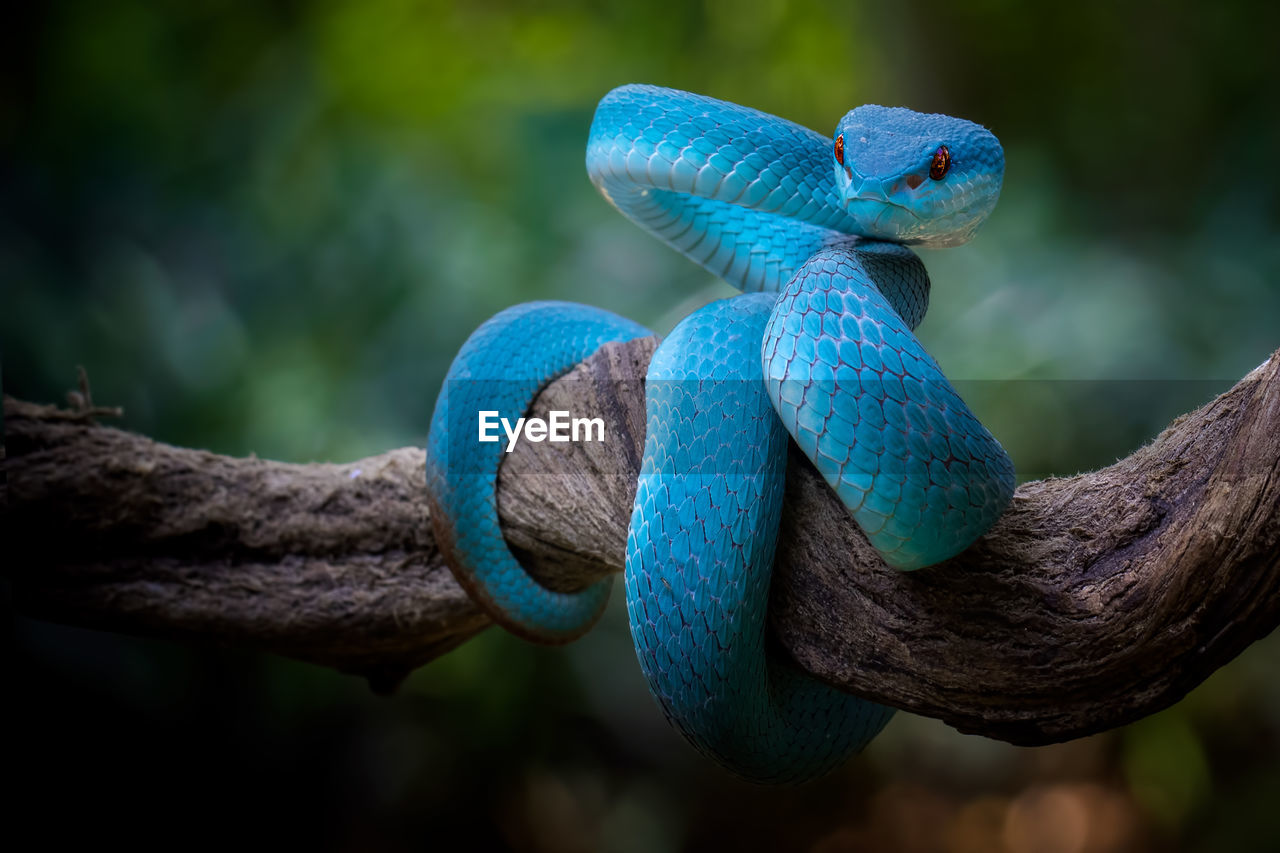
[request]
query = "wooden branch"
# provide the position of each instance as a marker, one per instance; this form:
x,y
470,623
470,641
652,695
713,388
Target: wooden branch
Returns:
x,y
1096,600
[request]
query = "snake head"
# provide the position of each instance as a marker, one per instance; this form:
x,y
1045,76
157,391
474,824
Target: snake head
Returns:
x,y
908,177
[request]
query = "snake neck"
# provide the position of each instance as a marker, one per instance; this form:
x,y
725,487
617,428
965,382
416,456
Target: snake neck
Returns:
x,y
747,195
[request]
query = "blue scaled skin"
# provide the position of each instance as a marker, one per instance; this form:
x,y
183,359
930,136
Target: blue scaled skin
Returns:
x,y
700,552
501,368
815,230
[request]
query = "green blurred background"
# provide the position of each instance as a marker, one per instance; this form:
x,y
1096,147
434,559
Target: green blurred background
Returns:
x,y
265,227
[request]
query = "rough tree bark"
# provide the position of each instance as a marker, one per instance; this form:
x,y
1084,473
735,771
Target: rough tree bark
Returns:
x,y
1097,599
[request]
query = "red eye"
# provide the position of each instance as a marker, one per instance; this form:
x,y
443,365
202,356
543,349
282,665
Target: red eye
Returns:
x,y
941,163
840,149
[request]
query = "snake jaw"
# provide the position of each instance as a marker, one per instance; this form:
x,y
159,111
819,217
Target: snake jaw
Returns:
x,y
879,208
900,207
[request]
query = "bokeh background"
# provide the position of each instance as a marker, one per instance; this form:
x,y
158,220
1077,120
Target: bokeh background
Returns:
x,y
265,227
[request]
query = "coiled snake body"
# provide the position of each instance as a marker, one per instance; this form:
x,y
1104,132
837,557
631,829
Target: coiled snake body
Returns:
x,y
820,347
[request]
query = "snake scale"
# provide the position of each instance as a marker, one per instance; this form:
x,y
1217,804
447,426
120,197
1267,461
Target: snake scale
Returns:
x,y
819,349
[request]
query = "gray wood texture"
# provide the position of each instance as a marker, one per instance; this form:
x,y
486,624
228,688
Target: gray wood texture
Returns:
x,y
1096,600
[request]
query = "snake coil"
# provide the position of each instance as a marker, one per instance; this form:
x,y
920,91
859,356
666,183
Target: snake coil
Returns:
x,y
819,349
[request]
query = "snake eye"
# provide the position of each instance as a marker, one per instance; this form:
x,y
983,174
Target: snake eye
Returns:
x,y
941,163
840,149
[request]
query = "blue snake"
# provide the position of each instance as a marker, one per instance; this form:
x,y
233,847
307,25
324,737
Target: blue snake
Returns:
x,y
818,349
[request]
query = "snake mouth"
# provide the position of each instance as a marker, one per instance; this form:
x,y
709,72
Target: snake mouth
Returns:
x,y
878,200
880,217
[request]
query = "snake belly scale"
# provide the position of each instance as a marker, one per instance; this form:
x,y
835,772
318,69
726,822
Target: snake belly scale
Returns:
x,y
819,349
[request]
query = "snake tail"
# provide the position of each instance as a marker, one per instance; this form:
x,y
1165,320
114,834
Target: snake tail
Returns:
x,y
500,369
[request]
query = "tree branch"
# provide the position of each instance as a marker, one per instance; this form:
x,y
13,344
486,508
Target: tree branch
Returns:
x,y
1096,600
